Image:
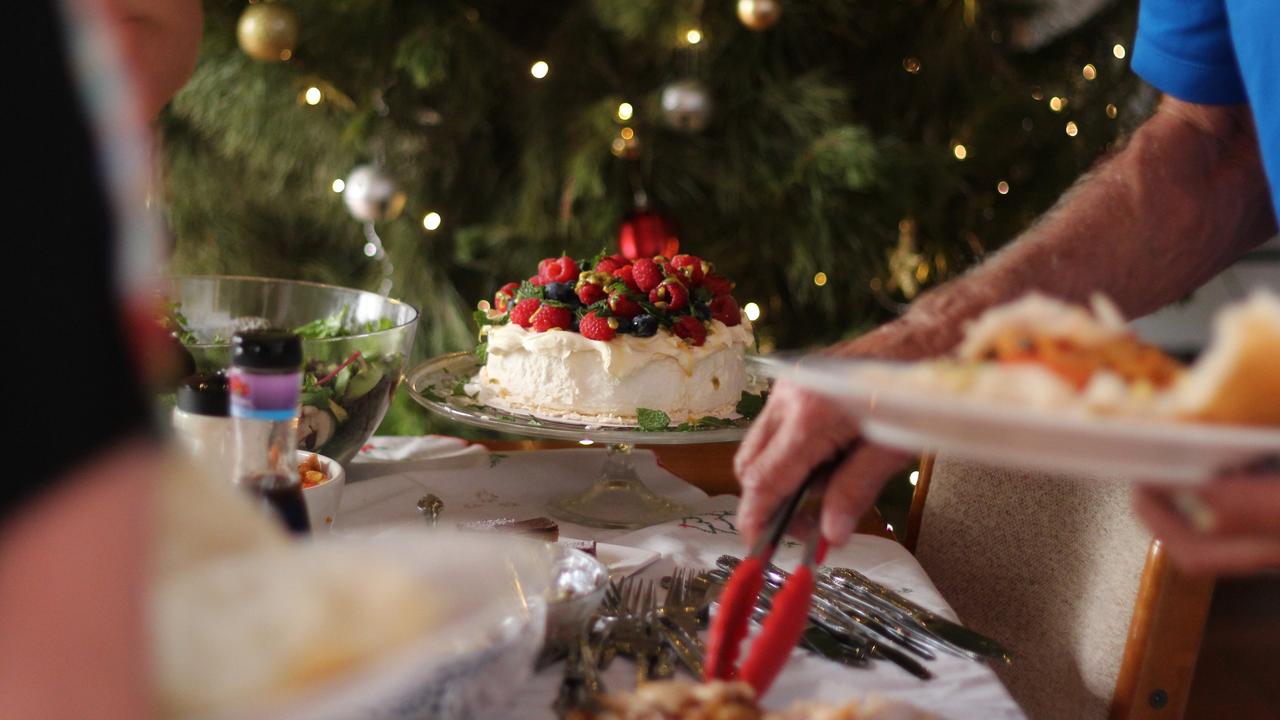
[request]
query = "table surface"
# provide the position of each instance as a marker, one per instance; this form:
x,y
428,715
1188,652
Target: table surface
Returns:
x,y
707,467
501,480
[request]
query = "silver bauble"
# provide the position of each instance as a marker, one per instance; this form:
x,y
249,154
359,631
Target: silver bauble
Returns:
x,y
372,195
686,105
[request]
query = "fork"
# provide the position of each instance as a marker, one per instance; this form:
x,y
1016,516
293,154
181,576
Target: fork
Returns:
x,y
677,622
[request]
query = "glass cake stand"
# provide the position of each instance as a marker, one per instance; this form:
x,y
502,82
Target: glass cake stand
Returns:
x,y
618,499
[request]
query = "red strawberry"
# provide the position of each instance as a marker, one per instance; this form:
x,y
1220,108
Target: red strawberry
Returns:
x,y
502,298
691,329
691,268
522,313
647,274
589,292
561,269
626,274
611,264
594,327
718,284
548,317
623,306
725,309
670,295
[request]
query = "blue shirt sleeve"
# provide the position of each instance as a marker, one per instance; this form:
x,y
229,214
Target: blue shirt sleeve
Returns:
x,y
1184,49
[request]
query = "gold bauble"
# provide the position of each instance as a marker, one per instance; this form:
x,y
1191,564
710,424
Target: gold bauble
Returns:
x,y
268,32
759,14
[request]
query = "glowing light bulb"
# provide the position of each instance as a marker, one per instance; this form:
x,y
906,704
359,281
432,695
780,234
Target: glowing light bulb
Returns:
x,y
820,279
960,151
431,220
752,311
625,111
911,65
1112,110
1072,130
693,37
1118,51
627,133
539,69
1089,72
339,185
313,96
1056,103
1002,187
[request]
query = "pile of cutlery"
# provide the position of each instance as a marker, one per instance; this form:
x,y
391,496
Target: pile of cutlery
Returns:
x,y
852,621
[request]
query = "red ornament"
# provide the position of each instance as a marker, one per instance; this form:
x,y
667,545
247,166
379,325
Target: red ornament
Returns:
x,y
644,234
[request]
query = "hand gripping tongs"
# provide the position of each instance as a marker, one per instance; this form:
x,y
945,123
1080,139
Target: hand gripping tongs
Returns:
x,y
789,607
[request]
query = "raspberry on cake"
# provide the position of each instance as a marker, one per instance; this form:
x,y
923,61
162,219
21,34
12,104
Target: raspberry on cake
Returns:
x,y
598,340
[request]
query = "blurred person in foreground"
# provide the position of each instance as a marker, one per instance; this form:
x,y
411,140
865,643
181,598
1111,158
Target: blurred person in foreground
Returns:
x,y
1185,197
74,509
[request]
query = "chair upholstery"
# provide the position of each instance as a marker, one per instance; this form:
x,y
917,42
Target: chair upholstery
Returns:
x,y
1049,565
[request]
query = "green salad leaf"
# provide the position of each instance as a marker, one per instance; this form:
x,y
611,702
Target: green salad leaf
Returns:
x,y
750,405
652,420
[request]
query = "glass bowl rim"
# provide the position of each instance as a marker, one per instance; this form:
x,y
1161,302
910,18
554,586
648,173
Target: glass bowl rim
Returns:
x,y
413,318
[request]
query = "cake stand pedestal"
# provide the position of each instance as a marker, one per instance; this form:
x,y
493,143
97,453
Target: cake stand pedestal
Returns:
x,y
618,498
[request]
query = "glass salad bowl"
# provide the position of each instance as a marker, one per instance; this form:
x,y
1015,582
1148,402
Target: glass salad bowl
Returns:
x,y
355,344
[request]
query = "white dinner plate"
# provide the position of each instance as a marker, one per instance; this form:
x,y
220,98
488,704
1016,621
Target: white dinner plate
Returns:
x,y
1035,438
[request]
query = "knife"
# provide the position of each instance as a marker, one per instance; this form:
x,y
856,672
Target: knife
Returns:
x,y
952,632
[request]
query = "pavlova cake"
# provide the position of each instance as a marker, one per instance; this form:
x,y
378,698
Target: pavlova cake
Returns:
x,y
616,341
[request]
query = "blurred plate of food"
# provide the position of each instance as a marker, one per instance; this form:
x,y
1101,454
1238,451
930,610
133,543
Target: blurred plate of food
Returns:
x,y
1049,386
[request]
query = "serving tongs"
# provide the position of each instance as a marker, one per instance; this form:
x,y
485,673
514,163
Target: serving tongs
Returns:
x,y
789,605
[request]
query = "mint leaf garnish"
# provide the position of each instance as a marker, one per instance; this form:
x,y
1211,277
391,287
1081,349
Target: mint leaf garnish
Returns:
x,y
529,290
652,420
750,405
482,353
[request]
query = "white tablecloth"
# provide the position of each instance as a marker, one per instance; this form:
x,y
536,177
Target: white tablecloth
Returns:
x,y
389,477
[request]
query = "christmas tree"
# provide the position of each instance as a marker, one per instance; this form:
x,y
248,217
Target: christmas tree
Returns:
x,y
834,158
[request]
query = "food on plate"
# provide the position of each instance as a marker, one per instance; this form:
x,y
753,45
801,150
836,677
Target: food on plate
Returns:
x,y
1041,352
253,627
1068,341
1237,380
717,700
617,341
239,615
543,528
312,472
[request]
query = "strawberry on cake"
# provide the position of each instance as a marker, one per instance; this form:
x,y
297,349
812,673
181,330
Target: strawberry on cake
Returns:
x,y
601,340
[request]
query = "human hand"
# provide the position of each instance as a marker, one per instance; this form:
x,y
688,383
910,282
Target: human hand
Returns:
x,y
1229,526
799,430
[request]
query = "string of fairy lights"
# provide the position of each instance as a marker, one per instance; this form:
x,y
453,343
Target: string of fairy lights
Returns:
x,y
909,269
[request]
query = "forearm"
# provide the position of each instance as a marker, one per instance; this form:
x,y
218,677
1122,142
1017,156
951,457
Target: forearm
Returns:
x,y
1179,203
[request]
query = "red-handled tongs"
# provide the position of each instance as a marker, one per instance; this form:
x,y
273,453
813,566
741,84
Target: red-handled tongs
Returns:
x,y
789,609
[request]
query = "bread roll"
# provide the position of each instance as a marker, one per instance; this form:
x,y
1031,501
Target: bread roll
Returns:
x,y
1237,380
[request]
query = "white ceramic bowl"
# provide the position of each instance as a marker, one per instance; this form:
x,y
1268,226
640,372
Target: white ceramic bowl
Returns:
x,y
323,499
490,593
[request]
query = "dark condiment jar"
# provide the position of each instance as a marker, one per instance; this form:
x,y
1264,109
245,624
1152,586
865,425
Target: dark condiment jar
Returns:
x,y
265,381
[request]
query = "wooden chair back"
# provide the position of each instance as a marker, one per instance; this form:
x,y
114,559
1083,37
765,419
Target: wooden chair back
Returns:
x,y
1165,628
